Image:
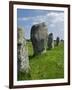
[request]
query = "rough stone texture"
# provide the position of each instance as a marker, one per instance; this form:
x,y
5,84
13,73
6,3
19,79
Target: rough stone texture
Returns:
x,y
57,41
22,52
39,38
50,41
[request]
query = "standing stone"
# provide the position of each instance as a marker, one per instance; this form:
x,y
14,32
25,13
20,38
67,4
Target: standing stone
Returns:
x,y
22,52
62,40
50,41
57,41
39,38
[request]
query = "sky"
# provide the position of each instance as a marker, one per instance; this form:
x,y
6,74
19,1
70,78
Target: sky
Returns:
x,y
26,18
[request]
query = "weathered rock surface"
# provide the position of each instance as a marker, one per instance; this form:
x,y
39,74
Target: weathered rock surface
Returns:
x,y
39,38
22,52
50,41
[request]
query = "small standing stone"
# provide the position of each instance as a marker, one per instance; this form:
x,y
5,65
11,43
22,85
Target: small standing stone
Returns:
x,y
62,40
50,41
22,52
57,41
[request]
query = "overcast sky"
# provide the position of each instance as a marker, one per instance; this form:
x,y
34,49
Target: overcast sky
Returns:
x,y
54,19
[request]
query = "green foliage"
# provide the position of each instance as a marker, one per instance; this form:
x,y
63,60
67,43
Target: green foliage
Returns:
x,y
49,65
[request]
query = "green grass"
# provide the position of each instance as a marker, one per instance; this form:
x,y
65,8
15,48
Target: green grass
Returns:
x,y
49,65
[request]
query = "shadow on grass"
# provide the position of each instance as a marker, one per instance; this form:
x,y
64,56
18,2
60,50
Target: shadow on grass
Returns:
x,y
49,48
33,56
24,76
30,57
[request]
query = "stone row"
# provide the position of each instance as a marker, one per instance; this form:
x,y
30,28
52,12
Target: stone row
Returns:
x,y
41,41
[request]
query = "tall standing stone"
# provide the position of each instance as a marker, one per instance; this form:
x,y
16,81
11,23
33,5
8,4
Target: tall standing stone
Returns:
x,y
39,38
57,41
22,53
50,41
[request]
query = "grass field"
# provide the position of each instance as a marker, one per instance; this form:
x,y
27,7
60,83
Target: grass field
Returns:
x,y
49,65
